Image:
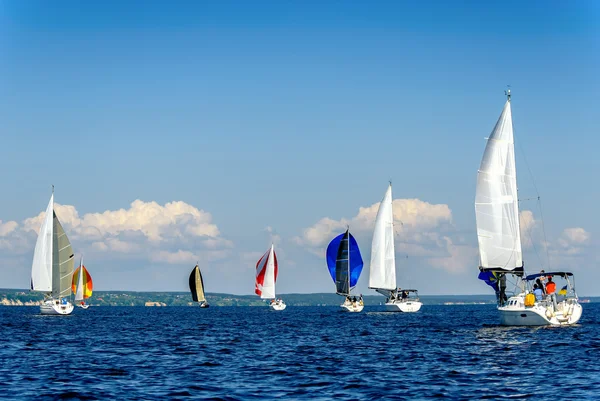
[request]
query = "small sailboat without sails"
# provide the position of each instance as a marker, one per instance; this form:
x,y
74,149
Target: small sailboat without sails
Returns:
x,y
82,285
345,265
197,287
499,238
267,270
382,274
53,265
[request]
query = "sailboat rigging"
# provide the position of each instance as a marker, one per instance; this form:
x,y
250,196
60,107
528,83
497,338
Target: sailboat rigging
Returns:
x,y
499,238
52,265
382,274
82,285
345,265
197,287
267,270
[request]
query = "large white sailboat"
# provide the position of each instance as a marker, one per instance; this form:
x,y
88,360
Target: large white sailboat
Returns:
x,y
53,265
266,277
499,237
382,274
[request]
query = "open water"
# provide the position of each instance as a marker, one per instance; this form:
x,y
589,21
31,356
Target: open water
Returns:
x,y
304,353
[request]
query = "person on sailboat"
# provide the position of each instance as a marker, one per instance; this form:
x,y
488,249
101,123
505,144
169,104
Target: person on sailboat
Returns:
x,y
550,286
502,289
404,295
537,291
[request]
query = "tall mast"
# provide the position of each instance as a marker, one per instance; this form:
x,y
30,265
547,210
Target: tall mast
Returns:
x,y
348,260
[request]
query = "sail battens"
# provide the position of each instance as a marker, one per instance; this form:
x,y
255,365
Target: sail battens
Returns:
x,y
496,200
41,269
382,273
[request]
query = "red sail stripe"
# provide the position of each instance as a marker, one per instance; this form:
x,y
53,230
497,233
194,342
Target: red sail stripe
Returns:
x,y
261,268
276,268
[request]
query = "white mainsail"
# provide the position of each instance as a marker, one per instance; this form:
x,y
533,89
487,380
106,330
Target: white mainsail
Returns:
x,y
383,262
41,269
52,267
496,201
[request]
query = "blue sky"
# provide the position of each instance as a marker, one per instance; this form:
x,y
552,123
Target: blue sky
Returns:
x,y
280,114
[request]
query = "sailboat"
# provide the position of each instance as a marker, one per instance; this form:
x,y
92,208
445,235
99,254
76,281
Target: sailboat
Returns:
x,y
499,238
266,276
82,285
345,265
382,277
53,265
197,287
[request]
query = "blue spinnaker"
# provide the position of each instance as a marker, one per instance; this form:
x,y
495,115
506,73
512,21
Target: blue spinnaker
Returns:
x,y
356,262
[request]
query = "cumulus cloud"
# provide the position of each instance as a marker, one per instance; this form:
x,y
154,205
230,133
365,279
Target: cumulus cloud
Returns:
x,y
7,228
576,235
573,241
459,257
143,227
409,215
419,228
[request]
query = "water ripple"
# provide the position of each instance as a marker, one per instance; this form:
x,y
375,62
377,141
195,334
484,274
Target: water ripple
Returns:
x,y
244,353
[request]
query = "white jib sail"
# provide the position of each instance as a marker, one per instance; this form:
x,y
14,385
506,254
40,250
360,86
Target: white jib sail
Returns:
x,y
268,288
383,262
496,201
41,269
79,293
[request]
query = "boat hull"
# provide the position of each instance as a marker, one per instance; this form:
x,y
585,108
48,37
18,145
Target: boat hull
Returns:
x,y
85,306
352,307
55,307
278,305
204,305
543,313
406,306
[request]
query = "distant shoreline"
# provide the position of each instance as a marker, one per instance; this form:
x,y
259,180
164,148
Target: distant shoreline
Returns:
x,y
20,297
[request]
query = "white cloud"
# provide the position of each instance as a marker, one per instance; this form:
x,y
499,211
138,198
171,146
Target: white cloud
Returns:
x,y
527,223
419,226
145,229
572,241
7,228
576,235
409,215
459,258
179,257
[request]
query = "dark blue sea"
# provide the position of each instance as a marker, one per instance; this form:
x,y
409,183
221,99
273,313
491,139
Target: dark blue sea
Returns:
x,y
303,353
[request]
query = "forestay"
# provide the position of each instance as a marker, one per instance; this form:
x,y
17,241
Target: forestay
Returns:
x,y
496,202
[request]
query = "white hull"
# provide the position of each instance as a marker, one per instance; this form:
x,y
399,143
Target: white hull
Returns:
x,y
352,307
85,306
403,306
54,307
278,305
543,313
